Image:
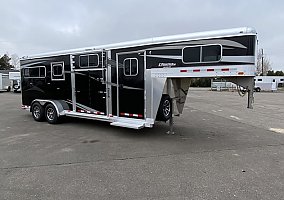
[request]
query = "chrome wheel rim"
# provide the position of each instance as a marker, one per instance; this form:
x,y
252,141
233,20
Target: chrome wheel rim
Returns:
x,y
167,108
50,114
36,112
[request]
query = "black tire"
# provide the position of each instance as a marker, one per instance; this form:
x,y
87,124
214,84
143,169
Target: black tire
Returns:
x,y
257,89
165,108
51,114
15,87
37,112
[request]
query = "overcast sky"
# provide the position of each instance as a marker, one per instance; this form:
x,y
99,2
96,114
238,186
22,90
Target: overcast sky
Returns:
x,y
37,26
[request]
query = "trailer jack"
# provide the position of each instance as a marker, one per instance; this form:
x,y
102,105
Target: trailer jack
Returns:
x,y
171,120
171,124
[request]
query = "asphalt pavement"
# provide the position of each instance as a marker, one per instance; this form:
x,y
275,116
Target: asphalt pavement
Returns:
x,y
220,150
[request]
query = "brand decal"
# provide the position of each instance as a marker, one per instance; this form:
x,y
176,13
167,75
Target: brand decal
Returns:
x,y
167,64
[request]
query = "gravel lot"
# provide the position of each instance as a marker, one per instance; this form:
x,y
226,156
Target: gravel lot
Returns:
x,y
220,150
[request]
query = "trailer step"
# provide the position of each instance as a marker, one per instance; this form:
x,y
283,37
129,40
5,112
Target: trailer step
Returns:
x,y
129,125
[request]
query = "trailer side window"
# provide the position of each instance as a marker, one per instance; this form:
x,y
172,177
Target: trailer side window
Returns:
x,y
94,60
42,72
130,66
202,54
91,60
84,61
191,54
57,71
211,53
259,79
35,72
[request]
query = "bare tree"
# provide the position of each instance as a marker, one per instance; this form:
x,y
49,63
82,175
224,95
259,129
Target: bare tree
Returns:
x,y
15,61
263,63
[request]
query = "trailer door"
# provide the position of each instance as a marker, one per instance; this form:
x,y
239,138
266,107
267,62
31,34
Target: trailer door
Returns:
x,y
97,90
130,85
90,83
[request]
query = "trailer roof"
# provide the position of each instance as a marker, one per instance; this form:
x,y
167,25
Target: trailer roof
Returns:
x,y
156,40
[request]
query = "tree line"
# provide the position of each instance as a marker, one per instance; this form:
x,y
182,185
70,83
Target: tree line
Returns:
x,y
276,73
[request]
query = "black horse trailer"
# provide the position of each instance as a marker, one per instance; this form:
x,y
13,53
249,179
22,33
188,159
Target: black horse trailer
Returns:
x,y
133,84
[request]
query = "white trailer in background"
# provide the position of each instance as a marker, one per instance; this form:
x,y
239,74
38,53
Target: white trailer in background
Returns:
x,y
268,83
222,84
4,83
16,78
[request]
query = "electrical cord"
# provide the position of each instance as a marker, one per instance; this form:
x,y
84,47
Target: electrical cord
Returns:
x,y
241,91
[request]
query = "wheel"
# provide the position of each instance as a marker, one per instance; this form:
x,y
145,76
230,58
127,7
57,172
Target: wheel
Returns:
x,y
257,89
15,87
37,112
165,108
51,114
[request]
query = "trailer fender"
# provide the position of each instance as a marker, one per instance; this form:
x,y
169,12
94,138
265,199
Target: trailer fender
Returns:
x,y
59,105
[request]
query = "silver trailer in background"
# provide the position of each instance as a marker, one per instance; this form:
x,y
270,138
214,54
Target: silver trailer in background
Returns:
x,y
4,83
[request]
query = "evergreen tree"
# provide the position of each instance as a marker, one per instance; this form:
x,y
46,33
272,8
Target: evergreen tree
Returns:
x,y
5,62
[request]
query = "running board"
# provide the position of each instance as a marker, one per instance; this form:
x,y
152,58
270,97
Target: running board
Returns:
x,y
129,125
121,122
88,116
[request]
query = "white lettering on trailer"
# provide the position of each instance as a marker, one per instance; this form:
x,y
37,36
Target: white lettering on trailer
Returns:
x,y
167,64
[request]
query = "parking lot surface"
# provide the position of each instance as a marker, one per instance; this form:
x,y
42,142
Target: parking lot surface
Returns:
x,y
220,150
